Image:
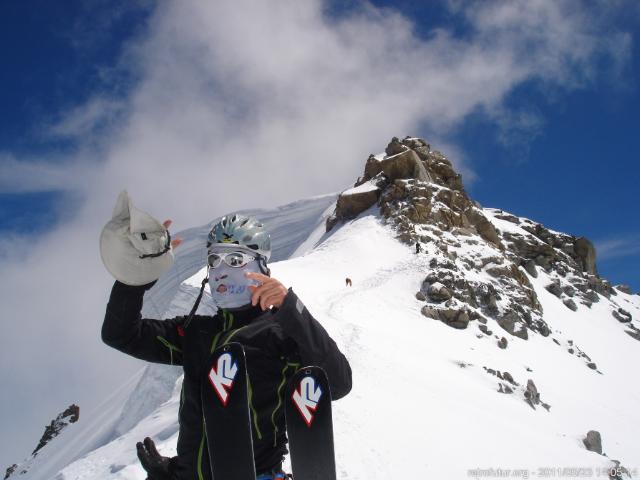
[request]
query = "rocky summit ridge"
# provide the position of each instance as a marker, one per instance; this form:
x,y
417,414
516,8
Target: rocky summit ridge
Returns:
x,y
70,415
481,259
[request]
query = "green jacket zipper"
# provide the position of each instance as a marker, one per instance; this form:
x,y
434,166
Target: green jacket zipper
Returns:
x,y
170,346
275,411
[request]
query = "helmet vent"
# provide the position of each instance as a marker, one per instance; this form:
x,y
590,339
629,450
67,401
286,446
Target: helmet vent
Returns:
x,y
241,230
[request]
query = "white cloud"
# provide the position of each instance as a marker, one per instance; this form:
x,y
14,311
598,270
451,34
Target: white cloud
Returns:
x,y
95,115
25,176
243,103
623,246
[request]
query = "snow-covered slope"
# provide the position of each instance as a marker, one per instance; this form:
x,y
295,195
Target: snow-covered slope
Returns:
x,y
291,226
422,404
428,400
294,229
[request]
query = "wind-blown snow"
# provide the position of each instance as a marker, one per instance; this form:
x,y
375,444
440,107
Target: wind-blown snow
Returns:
x,y
290,227
422,405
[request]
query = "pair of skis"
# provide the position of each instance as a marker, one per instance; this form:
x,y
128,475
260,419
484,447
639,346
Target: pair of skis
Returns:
x,y
225,403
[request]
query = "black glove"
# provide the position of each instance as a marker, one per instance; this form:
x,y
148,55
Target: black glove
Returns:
x,y
157,466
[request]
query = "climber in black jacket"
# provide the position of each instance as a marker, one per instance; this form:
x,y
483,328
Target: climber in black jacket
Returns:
x,y
277,341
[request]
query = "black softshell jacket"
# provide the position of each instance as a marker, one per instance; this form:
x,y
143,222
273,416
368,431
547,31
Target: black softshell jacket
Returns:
x,y
277,342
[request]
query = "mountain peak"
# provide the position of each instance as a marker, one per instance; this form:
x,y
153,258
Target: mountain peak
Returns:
x,y
70,415
481,259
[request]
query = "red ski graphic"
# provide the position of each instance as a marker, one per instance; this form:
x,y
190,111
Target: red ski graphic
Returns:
x,y
306,398
221,376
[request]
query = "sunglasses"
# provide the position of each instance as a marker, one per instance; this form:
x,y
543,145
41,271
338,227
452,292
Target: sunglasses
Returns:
x,y
233,259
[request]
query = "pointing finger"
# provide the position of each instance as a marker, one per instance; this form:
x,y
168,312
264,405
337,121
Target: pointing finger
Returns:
x,y
256,294
260,290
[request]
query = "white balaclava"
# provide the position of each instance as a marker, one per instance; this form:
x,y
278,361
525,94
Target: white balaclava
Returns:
x,y
229,286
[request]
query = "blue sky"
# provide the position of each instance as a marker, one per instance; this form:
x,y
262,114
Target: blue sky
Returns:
x,y
574,170
201,109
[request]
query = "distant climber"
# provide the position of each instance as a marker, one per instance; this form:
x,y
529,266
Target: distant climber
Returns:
x,y
418,247
348,282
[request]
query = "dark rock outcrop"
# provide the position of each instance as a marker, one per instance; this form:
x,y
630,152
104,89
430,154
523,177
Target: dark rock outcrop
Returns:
x,y
624,288
356,200
51,431
593,441
512,323
586,252
592,296
456,318
395,147
484,329
438,292
555,289
530,267
483,226
351,204
622,315
570,304
532,396
502,388
403,165
70,415
10,471
600,285
509,378
634,332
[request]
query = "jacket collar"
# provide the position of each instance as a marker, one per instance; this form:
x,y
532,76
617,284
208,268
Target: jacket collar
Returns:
x,y
245,314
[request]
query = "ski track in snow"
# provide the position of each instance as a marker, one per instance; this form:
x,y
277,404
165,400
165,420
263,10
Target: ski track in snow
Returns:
x,y
422,406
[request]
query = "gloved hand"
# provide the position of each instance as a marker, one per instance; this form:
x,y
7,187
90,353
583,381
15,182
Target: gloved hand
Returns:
x,y
157,466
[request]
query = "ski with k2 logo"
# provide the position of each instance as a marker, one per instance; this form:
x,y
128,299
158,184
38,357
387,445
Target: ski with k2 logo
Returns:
x,y
227,421
306,398
310,425
222,375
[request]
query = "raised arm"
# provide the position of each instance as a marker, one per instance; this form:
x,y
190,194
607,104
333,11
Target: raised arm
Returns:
x,y
158,341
